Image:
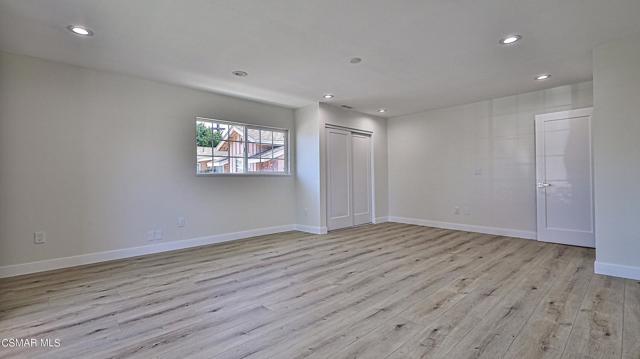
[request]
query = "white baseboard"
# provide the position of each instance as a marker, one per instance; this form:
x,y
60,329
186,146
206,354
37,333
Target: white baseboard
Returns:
x,y
89,258
617,270
96,257
508,232
311,229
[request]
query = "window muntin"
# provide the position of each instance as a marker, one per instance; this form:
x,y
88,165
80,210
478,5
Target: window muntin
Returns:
x,y
233,148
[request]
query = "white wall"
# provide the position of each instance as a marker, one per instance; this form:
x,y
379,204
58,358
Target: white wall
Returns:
x,y
616,145
308,167
97,159
478,157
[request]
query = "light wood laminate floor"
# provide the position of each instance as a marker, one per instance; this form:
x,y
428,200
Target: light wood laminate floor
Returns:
x,y
376,291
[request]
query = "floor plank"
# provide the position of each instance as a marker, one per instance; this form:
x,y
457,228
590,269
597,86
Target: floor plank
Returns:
x,y
597,331
548,329
631,324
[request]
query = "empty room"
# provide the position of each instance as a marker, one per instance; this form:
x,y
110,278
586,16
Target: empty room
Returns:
x,y
320,179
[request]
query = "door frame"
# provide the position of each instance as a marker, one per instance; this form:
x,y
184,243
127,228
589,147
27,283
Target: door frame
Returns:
x,y
325,164
563,115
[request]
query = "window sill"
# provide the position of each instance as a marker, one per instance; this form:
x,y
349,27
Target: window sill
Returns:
x,y
243,174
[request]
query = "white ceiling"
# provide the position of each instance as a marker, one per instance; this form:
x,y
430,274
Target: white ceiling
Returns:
x,y
417,55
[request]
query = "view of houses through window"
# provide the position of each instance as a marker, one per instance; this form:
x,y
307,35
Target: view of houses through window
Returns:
x,y
225,147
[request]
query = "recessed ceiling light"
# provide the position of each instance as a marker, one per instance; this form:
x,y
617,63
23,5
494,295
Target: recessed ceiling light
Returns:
x,y
543,77
328,96
80,30
382,110
511,39
355,60
240,73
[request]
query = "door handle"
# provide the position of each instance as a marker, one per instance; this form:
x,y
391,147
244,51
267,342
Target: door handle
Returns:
x,y
542,185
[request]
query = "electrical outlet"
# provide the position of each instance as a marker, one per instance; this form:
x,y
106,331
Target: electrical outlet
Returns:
x,y
39,238
456,210
154,235
181,222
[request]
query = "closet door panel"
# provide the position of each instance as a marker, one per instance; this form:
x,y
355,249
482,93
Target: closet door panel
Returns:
x,y
339,187
361,174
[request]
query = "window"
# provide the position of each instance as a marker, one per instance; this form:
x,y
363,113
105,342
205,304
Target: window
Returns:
x,y
234,148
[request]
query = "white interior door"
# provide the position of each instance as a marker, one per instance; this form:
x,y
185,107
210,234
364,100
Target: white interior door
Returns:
x,y
339,193
564,178
361,174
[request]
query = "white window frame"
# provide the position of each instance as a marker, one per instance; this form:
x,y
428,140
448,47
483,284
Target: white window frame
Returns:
x,y
247,127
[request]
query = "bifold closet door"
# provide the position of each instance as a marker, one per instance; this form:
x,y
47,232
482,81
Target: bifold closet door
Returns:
x,y
361,178
348,178
339,193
